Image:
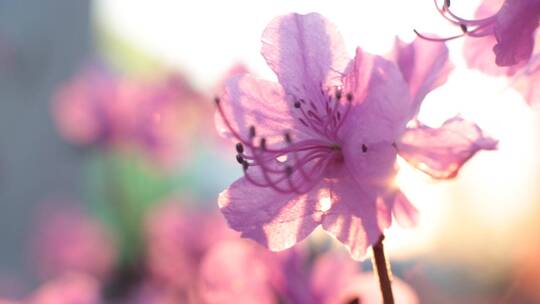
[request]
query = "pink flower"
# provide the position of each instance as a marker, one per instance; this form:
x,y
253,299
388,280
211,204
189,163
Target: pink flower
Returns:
x,y
176,241
501,41
511,28
239,272
155,117
69,241
320,147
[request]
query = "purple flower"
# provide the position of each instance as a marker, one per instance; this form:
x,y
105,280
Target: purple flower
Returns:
x,y
239,272
320,147
512,26
501,41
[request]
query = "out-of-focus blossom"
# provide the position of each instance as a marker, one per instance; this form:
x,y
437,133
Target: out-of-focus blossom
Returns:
x,y
176,241
68,289
501,41
158,117
241,272
319,148
69,241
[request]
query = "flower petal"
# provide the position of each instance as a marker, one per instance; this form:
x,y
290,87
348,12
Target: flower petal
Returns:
x,y
516,24
381,100
527,81
249,102
440,152
356,217
402,209
275,220
306,52
424,65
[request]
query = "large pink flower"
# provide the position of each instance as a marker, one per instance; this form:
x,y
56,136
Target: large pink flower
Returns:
x,y
239,272
320,147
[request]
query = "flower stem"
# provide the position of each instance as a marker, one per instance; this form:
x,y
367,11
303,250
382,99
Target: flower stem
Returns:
x,y
383,271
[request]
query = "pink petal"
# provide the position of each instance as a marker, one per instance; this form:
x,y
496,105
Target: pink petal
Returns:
x,y
275,220
402,209
356,218
262,104
527,81
306,52
516,24
478,51
238,272
440,152
424,65
381,100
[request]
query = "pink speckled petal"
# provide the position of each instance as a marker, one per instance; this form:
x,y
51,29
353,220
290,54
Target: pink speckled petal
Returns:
x,y
441,152
248,101
306,52
275,220
424,65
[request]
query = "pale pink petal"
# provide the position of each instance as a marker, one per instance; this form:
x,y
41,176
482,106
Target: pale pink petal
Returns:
x,y
380,103
238,272
403,210
516,24
440,152
262,104
357,215
424,65
527,81
306,52
275,220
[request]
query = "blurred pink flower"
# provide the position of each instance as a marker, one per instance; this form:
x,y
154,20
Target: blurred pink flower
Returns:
x,y
241,272
319,148
158,117
66,240
67,289
501,41
176,240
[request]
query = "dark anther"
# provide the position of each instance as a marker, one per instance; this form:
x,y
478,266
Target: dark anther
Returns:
x,y
239,159
297,104
338,94
239,148
349,97
263,143
288,138
216,100
252,131
463,28
245,165
364,148
353,301
394,145
288,170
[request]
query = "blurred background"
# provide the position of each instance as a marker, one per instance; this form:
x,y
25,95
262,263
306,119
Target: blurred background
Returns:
x,y
110,165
